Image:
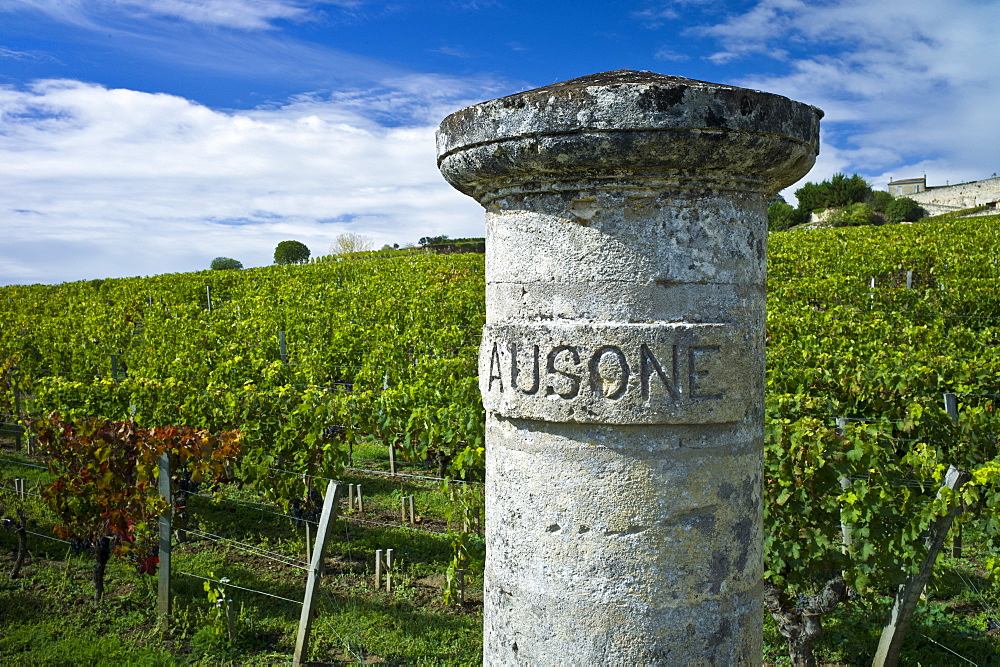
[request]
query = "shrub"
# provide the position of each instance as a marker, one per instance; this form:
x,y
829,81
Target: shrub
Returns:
x,y
880,199
904,209
852,216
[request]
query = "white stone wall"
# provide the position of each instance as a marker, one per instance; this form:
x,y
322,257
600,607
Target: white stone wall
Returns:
x,y
954,197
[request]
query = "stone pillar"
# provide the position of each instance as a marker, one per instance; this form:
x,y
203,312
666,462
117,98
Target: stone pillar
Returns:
x,y
622,363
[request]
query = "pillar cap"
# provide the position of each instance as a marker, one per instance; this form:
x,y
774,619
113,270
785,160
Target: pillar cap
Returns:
x,y
614,125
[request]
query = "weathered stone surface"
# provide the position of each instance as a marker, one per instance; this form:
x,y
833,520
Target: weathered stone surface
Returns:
x,y
626,246
653,126
607,373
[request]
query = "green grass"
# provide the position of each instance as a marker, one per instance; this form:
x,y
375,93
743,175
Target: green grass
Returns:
x,y
47,615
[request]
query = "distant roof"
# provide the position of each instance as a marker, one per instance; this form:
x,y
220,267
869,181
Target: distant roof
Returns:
x,y
909,180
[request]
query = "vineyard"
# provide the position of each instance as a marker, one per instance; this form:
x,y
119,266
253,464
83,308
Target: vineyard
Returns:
x,y
365,371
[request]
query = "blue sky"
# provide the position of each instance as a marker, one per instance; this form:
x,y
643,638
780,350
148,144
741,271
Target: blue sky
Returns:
x,y
148,136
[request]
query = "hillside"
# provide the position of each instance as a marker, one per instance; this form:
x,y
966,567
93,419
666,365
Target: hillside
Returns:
x,y
868,325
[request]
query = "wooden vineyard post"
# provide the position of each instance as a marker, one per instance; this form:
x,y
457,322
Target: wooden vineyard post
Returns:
x,y
21,492
909,280
388,570
404,501
282,348
17,412
392,458
315,571
383,565
951,407
308,555
909,591
845,483
163,574
354,498
305,521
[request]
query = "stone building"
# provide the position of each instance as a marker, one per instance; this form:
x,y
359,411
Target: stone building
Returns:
x,y
946,198
907,186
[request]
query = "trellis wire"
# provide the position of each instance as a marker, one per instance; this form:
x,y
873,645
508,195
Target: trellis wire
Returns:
x,y
27,493
22,463
347,645
403,474
978,551
972,587
869,420
411,463
299,474
290,561
948,649
390,525
242,588
255,508
909,482
373,472
289,516
48,537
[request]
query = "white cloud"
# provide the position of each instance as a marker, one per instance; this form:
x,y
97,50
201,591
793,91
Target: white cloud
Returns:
x,y
666,53
906,86
252,15
104,182
239,14
451,51
26,56
655,17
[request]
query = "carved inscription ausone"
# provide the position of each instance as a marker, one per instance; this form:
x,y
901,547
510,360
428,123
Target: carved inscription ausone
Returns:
x,y
663,373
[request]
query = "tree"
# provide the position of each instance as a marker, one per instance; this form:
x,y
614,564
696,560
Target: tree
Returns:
x,y
351,242
433,240
225,263
291,252
782,216
904,209
839,191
